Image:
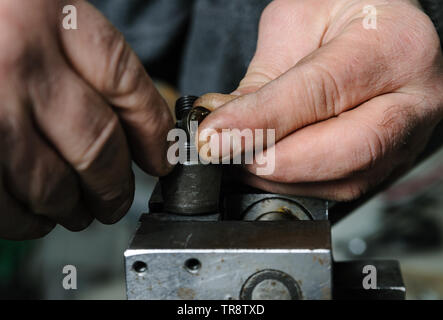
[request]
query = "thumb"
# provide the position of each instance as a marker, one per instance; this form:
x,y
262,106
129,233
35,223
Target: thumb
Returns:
x,y
99,53
252,82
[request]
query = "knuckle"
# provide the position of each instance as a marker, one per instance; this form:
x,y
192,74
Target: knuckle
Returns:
x,y
427,33
372,148
271,11
322,91
122,76
19,57
42,199
11,57
99,147
285,10
419,41
397,126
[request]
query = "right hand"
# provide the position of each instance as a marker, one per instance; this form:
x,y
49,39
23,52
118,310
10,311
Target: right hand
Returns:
x,y
74,106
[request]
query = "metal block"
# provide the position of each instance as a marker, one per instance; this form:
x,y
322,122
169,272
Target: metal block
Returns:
x,y
230,260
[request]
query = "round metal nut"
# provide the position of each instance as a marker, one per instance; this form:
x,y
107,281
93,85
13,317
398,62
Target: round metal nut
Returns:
x,y
270,285
276,209
197,115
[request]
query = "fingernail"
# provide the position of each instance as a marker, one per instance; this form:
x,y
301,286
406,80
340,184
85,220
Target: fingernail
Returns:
x,y
216,145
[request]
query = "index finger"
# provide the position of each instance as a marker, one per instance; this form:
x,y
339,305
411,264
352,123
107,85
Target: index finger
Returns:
x,y
100,54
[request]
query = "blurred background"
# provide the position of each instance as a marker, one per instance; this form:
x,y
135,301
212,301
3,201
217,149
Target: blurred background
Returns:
x,y
404,223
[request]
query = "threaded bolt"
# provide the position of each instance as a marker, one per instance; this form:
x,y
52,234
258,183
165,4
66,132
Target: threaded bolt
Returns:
x,y
183,105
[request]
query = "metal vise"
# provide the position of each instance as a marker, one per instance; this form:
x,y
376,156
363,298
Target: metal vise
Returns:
x,y
207,237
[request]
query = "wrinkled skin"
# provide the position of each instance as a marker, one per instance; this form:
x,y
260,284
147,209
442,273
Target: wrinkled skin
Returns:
x,y
75,106
351,107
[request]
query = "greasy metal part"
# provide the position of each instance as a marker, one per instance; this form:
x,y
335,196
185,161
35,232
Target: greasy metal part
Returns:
x,y
348,278
183,106
196,115
230,255
192,188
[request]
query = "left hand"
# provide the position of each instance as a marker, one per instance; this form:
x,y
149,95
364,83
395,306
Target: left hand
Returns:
x,y
351,106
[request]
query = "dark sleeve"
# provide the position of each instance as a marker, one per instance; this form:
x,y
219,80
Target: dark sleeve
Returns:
x,y
222,41
434,9
155,29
